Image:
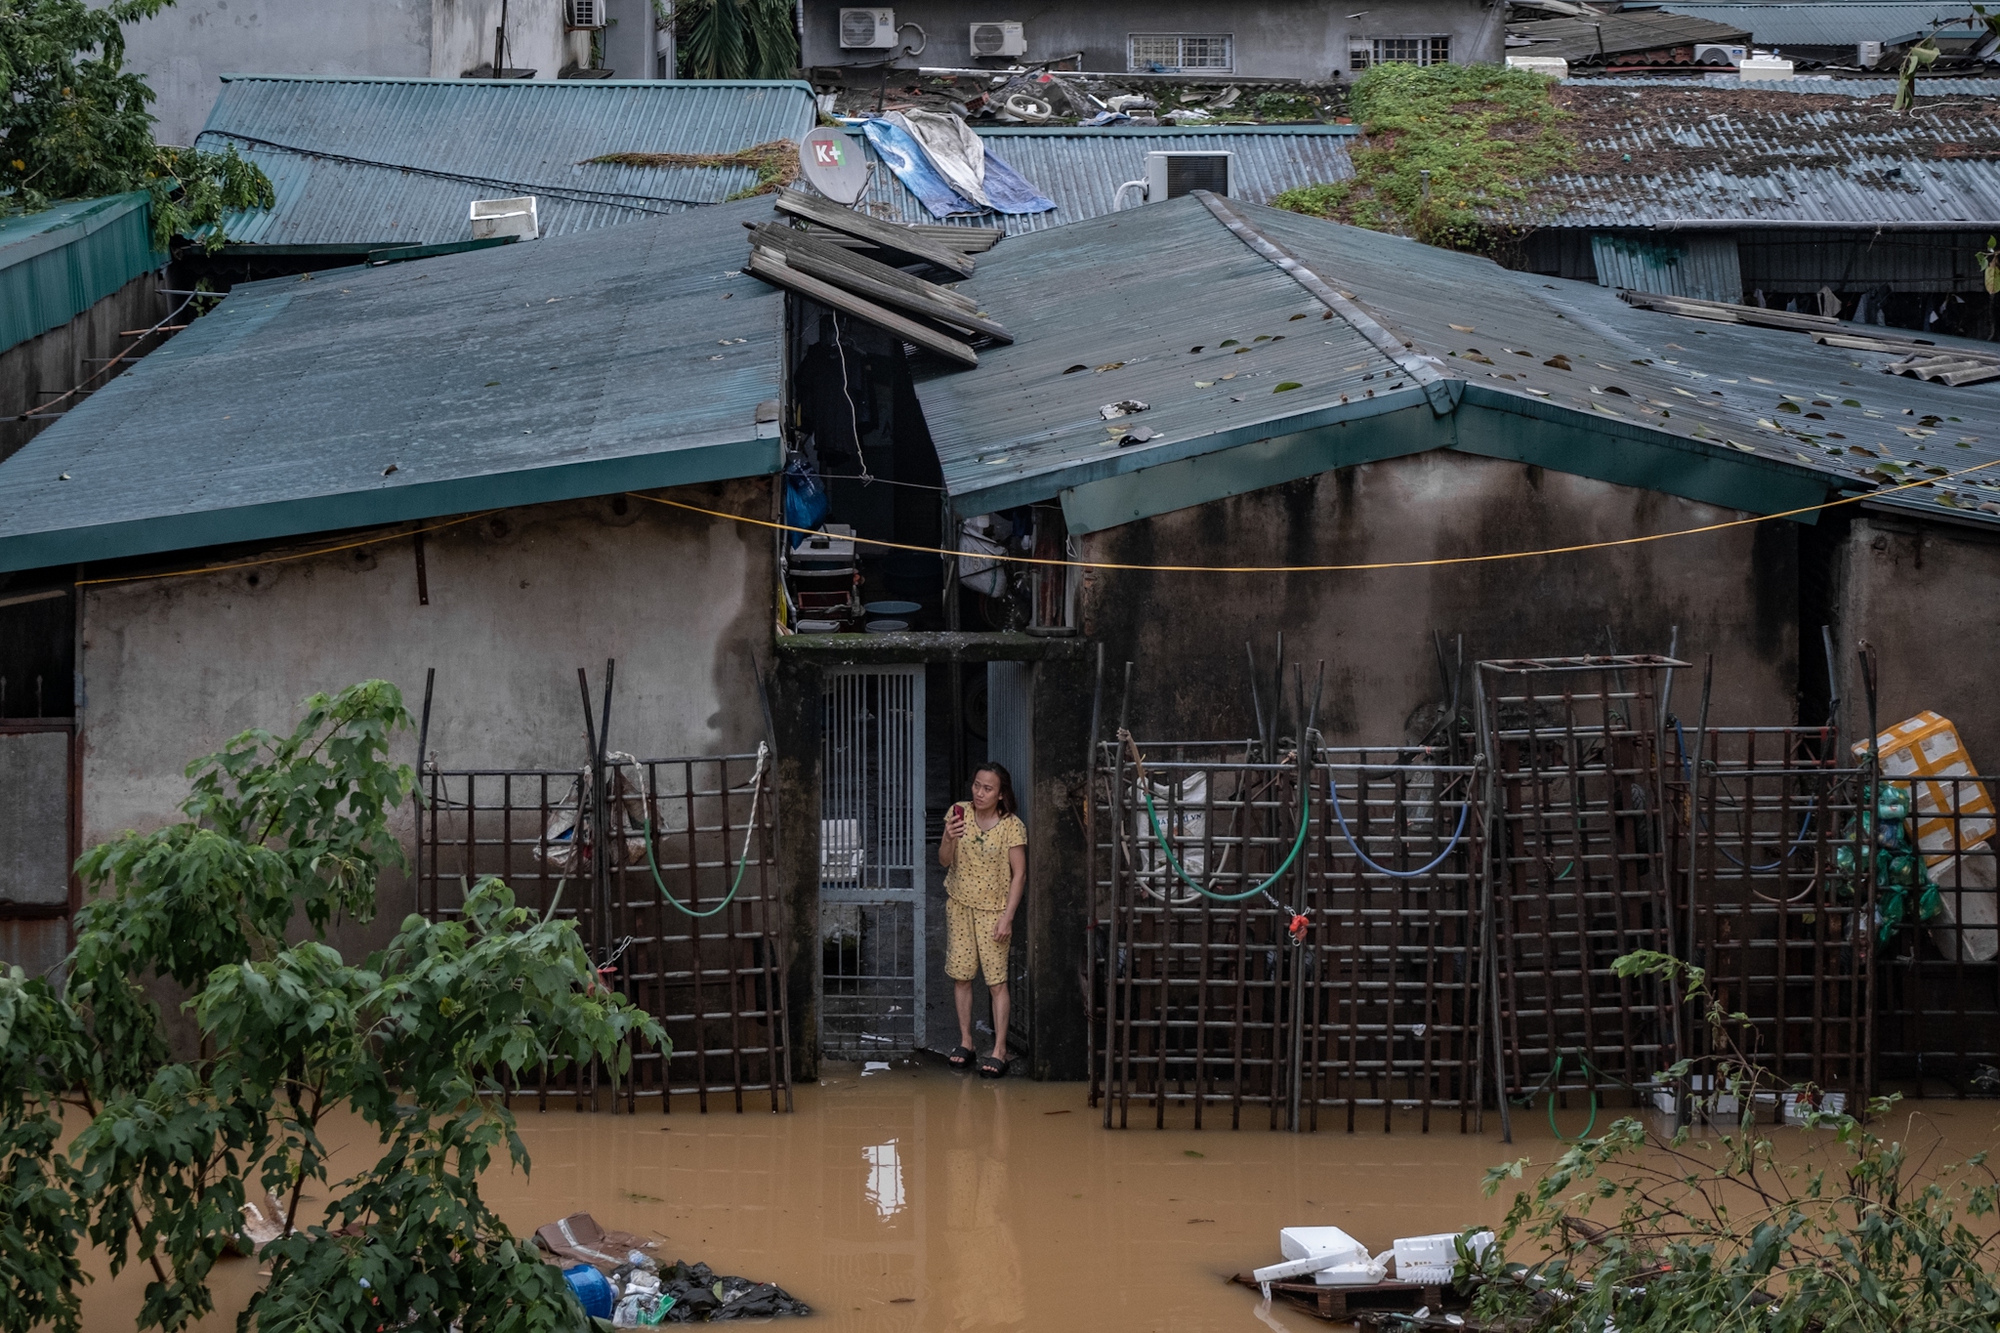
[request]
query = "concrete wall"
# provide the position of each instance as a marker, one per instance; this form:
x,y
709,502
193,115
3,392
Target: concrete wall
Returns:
x,y
1283,39
34,372
185,49
1926,597
462,37
519,599
1732,593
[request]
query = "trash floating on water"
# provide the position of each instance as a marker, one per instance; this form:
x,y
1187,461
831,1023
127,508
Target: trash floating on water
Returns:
x,y
1331,1274
580,1239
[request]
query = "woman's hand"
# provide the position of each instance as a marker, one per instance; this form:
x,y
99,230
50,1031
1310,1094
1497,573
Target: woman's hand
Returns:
x,y
1003,926
954,823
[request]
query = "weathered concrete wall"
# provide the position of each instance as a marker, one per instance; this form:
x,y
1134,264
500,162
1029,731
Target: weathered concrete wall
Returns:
x,y
1275,40
186,49
1733,593
462,37
1926,596
34,372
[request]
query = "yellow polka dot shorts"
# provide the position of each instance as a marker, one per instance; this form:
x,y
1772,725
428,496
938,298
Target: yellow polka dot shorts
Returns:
x,y
969,946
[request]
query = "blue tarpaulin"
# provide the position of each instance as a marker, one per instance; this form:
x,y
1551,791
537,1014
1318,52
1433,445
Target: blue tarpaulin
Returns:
x,y
1005,187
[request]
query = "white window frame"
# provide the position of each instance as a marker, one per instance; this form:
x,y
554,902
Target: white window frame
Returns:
x,y
1135,65
1365,53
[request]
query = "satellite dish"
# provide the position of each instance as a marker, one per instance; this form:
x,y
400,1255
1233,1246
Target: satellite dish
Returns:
x,y
832,164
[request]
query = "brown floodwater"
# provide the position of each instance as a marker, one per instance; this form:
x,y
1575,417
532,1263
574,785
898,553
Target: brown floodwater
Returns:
x,y
915,1198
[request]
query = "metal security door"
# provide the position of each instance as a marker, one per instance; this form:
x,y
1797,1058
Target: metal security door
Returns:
x,y
871,888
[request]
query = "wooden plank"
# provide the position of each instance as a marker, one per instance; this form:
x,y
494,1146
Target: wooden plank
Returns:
x,y
769,266
917,297
792,240
885,234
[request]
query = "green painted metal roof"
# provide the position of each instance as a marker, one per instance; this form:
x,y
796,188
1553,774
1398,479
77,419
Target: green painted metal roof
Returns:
x,y
1753,419
624,358
366,162
57,263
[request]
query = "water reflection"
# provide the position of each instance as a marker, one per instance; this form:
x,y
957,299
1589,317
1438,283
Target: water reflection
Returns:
x,y
979,1237
885,1179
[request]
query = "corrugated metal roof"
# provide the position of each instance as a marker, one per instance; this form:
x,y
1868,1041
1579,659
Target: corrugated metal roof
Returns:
x,y
1675,154
1646,399
1820,84
1822,24
57,263
630,357
374,161
1697,265
1588,41
1080,169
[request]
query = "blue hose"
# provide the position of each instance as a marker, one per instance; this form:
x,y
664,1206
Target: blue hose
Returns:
x,y
1687,768
1333,791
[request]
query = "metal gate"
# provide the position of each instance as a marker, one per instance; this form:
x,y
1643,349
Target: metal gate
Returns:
x,y
708,963
1579,872
871,876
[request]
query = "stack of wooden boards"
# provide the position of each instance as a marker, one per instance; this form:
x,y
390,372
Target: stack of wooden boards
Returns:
x,y
870,269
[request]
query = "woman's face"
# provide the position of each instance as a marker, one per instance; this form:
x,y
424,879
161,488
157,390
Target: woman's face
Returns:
x,y
985,792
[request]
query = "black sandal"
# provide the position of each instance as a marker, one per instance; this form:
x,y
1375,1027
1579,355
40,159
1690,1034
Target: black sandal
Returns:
x,y
960,1058
992,1066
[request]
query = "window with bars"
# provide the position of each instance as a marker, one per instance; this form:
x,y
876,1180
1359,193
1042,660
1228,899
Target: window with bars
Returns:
x,y
1371,51
1167,52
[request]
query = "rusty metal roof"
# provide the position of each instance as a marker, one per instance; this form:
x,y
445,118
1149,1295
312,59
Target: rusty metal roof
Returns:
x,y
1664,155
368,162
1590,41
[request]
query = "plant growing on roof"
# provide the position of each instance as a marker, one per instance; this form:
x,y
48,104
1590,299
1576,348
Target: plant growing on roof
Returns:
x,y
1726,1235
1444,143
737,39
282,833
74,124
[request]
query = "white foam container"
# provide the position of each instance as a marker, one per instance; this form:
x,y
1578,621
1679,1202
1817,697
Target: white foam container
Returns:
x,y
518,216
1309,1242
1365,1273
1555,67
1292,1268
1434,1256
1830,1103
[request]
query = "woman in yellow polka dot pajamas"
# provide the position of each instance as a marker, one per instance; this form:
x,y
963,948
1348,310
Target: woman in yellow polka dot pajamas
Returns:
x,y
985,855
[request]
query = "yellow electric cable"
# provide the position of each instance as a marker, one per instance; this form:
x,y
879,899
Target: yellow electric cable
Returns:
x,y
1330,569
376,540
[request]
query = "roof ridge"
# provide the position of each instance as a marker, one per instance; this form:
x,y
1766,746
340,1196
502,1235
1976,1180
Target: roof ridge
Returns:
x,y
1437,386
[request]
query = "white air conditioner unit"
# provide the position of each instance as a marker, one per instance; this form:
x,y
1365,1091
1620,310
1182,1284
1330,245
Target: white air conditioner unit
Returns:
x,y
867,29
998,39
1712,53
584,13
1868,54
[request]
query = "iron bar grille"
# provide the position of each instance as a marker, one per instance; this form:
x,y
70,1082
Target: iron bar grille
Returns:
x,y
715,982
1938,980
872,848
1779,897
1579,872
1209,1007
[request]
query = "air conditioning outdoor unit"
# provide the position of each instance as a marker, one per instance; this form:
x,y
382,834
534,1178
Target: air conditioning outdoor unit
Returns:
x,y
584,13
1868,54
1712,53
998,39
1171,175
867,29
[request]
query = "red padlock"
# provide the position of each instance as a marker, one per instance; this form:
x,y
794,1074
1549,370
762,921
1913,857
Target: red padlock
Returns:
x,y
1298,928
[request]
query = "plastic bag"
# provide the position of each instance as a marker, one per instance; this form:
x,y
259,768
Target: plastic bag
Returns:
x,y
806,502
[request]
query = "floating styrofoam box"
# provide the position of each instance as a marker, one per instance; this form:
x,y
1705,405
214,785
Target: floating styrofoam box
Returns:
x,y
1718,1105
1293,1268
1966,888
1554,67
1309,1242
1765,68
505,217
1365,1273
1425,1258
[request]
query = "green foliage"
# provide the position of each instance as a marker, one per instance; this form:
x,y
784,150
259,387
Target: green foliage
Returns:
x,y
1444,142
1724,1235
737,39
74,123
282,831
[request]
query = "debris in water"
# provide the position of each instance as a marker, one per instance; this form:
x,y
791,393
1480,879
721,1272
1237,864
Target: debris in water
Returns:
x,y
580,1239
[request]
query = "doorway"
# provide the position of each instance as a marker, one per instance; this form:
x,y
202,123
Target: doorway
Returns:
x,y
872,845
